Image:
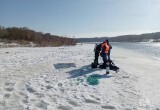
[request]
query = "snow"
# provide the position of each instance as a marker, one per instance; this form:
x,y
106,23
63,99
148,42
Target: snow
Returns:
x,y
156,44
55,78
8,44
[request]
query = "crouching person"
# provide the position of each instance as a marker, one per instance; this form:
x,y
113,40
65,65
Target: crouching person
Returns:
x,y
104,54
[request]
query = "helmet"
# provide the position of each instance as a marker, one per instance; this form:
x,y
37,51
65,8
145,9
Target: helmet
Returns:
x,y
107,40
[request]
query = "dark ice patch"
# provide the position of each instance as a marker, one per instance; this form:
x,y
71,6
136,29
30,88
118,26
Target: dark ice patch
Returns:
x,y
64,65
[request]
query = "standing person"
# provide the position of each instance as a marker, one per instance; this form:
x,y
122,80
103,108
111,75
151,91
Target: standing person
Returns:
x,y
110,47
104,54
97,50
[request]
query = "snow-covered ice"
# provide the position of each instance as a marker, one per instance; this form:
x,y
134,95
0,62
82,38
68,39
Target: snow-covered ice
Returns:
x,y
55,78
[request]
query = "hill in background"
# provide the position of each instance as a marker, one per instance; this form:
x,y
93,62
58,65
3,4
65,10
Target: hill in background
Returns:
x,y
148,37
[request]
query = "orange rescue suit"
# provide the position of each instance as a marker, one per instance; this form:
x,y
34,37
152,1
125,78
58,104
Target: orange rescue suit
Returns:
x,y
104,47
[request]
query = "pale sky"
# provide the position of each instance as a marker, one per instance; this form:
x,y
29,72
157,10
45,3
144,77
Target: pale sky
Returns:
x,y
82,18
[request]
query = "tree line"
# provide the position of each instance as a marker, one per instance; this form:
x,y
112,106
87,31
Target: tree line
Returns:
x,y
24,35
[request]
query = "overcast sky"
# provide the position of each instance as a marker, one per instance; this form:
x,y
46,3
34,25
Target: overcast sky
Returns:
x,y
82,18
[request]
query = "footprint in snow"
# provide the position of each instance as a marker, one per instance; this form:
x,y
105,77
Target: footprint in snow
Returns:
x,y
96,98
30,89
42,105
108,107
7,95
49,87
61,107
73,103
9,84
91,101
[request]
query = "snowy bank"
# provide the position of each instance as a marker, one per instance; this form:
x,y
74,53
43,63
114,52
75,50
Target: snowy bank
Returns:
x,y
55,78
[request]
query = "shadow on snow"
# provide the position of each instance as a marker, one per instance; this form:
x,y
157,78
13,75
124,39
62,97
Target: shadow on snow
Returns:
x,y
86,70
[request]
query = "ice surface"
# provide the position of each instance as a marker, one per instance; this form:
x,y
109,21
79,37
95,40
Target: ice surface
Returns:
x,y
55,78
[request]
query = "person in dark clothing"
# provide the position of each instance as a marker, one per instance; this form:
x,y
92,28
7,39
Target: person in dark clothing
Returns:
x,y
97,50
113,66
